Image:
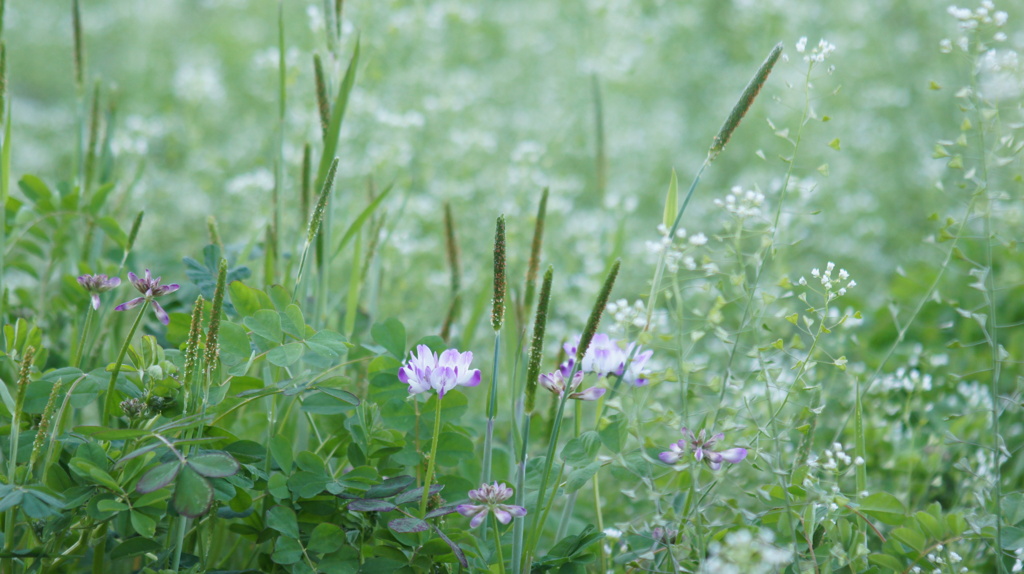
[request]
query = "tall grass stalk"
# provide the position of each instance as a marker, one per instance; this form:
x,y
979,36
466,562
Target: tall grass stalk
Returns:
x,y
497,319
12,464
544,506
315,220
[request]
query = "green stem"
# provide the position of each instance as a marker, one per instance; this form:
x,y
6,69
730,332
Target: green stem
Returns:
x,y
76,355
497,544
492,407
433,457
109,400
518,528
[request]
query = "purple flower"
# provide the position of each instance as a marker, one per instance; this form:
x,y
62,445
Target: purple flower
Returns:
x,y
490,496
150,289
703,449
426,371
96,284
606,357
555,382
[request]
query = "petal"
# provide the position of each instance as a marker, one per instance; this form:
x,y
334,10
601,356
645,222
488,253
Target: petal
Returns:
x,y
698,454
734,454
130,304
669,457
96,301
473,379
479,518
165,289
135,280
687,433
517,511
502,515
160,313
591,394
714,465
468,509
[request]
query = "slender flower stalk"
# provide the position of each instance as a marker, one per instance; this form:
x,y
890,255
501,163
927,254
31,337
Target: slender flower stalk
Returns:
x,y
426,371
94,284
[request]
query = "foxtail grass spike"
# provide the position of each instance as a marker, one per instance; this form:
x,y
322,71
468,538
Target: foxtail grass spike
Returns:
x,y
3,9
213,331
76,25
498,304
322,103
537,345
44,424
339,9
744,103
306,184
91,150
214,230
538,240
595,314
321,202
195,330
456,277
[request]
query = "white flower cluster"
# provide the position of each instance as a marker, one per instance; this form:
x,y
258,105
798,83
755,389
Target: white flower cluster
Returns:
x,y
742,552
971,20
626,315
834,456
831,282
984,14
818,54
903,379
741,203
675,248
1018,564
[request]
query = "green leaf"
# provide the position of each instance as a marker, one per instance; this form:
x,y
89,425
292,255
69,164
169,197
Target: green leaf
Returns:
x,y
452,448
134,547
581,450
37,192
580,476
234,344
292,322
286,355
391,335
416,494
1013,537
327,343
911,538
111,228
390,487
143,524
357,224
283,520
371,505
281,450
104,433
266,324
96,473
248,301
158,477
326,538
214,464
306,484
193,494
614,434
884,507
886,561
408,524
286,551
671,202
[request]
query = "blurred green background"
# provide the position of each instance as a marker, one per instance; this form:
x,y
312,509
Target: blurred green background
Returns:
x,y
483,104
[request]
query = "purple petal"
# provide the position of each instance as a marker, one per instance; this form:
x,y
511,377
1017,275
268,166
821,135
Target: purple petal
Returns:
x,y
688,433
714,465
474,379
734,454
591,394
96,301
130,304
165,289
160,313
669,457
479,518
502,515
698,454
468,509
517,511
